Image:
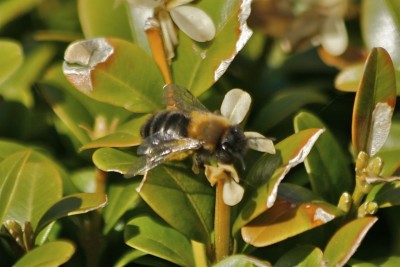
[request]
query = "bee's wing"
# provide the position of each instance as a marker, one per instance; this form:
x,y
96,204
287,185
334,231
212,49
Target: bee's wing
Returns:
x,y
176,96
157,154
158,142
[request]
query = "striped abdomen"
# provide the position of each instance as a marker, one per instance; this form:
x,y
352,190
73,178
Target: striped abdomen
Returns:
x,y
168,121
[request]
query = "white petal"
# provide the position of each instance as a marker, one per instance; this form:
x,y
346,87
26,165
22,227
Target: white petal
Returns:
x,y
235,105
232,193
259,142
169,34
194,22
334,36
381,122
174,3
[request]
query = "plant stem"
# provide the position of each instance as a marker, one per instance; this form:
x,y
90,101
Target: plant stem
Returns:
x,y
221,224
199,254
157,48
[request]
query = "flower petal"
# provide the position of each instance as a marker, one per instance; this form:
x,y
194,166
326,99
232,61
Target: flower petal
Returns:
x,y
169,33
194,22
334,36
232,192
174,3
235,105
259,142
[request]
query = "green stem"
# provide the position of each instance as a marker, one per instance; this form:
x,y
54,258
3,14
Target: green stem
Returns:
x,y
221,224
199,254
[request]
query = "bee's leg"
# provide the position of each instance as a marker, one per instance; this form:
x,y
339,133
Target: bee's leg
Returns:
x,y
195,165
199,159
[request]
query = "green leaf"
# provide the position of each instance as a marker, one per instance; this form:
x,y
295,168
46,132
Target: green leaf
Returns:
x,y
84,117
385,195
72,205
18,86
122,197
110,159
116,72
68,109
27,188
374,104
11,57
129,257
348,79
11,9
50,254
185,201
8,148
301,256
346,241
103,18
296,210
153,237
381,262
271,114
126,134
380,25
270,170
327,164
391,150
199,65
242,261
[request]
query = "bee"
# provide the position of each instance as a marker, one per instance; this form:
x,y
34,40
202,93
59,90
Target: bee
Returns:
x,y
187,128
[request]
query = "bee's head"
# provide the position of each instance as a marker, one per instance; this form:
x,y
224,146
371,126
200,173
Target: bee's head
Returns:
x,y
233,146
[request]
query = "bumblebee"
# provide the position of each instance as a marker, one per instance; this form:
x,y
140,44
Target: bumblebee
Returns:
x,y
187,128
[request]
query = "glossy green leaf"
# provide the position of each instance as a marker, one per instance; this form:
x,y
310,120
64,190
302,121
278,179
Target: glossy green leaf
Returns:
x,y
11,57
296,210
69,110
50,254
8,148
374,104
346,240
126,135
272,113
185,201
270,170
154,237
381,262
11,9
348,79
385,195
85,179
110,159
27,188
116,72
18,86
326,164
243,261
391,150
84,117
72,205
301,256
381,26
129,257
103,18
122,197
199,65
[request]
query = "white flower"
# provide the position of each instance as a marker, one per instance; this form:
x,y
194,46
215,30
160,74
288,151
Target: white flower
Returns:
x,y
193,21
234,107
